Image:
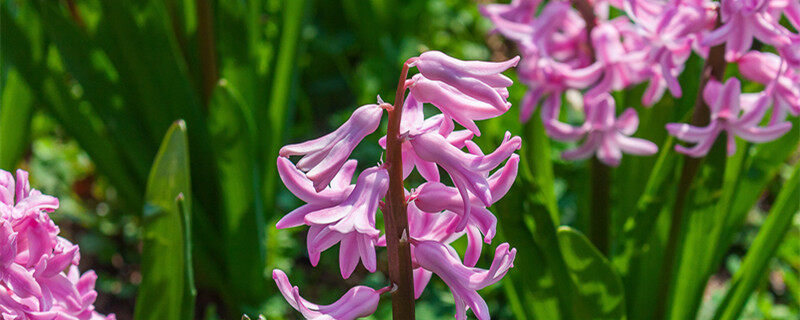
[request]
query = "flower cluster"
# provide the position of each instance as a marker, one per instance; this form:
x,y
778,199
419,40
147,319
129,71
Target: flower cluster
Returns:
x,y
628,42
339,212
39,275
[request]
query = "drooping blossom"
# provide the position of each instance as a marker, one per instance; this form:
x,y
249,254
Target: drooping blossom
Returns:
x,y
463,90
413,122
603,134
322,157
338,212
39,278
744,20
464,281
783,82
466,170
732,113
360,301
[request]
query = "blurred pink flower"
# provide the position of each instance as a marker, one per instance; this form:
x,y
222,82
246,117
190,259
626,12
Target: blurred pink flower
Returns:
x,y
727,114
603,134
322,157
743,20
783,83
360,301
33,284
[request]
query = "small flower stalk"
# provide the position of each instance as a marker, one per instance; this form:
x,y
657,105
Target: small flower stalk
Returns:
x,y
578,46
39,277
424,220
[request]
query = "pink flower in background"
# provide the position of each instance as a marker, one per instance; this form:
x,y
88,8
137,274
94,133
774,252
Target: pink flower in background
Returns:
x,y
731,113
744,20
358,302
619,65
604,135
322,157
783,83
464,281
33,259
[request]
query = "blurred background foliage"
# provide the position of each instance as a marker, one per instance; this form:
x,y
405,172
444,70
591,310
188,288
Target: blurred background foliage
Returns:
x,y
90,88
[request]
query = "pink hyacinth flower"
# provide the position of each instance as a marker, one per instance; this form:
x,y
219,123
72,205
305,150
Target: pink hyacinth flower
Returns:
x,y
726,106
744,20
783,82
33,259
480,80
324,156
619,64
466,170
413,122
521,11
606,136
303,188
351,222
358,302
669,30
464,282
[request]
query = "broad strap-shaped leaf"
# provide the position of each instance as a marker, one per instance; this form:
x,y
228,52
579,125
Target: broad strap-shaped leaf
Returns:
x,y
762,250
16,111
167,289
598,286
233,140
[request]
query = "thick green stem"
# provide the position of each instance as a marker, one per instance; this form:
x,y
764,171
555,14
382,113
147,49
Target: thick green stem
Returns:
x,y
396,219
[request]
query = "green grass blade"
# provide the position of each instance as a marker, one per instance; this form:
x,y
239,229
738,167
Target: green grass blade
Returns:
x,y
763,248
166,291
16,111
233,139
597,284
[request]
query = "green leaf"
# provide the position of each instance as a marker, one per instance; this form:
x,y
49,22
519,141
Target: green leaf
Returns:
x,y
167,289
598,286
762,250
16,111
233,139
718,216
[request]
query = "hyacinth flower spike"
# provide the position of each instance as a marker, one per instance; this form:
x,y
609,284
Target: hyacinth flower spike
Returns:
x,y
359,301
725,104
352,222
464,281
324,156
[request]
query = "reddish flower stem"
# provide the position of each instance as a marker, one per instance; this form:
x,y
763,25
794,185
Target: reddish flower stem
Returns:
x,y
396,219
